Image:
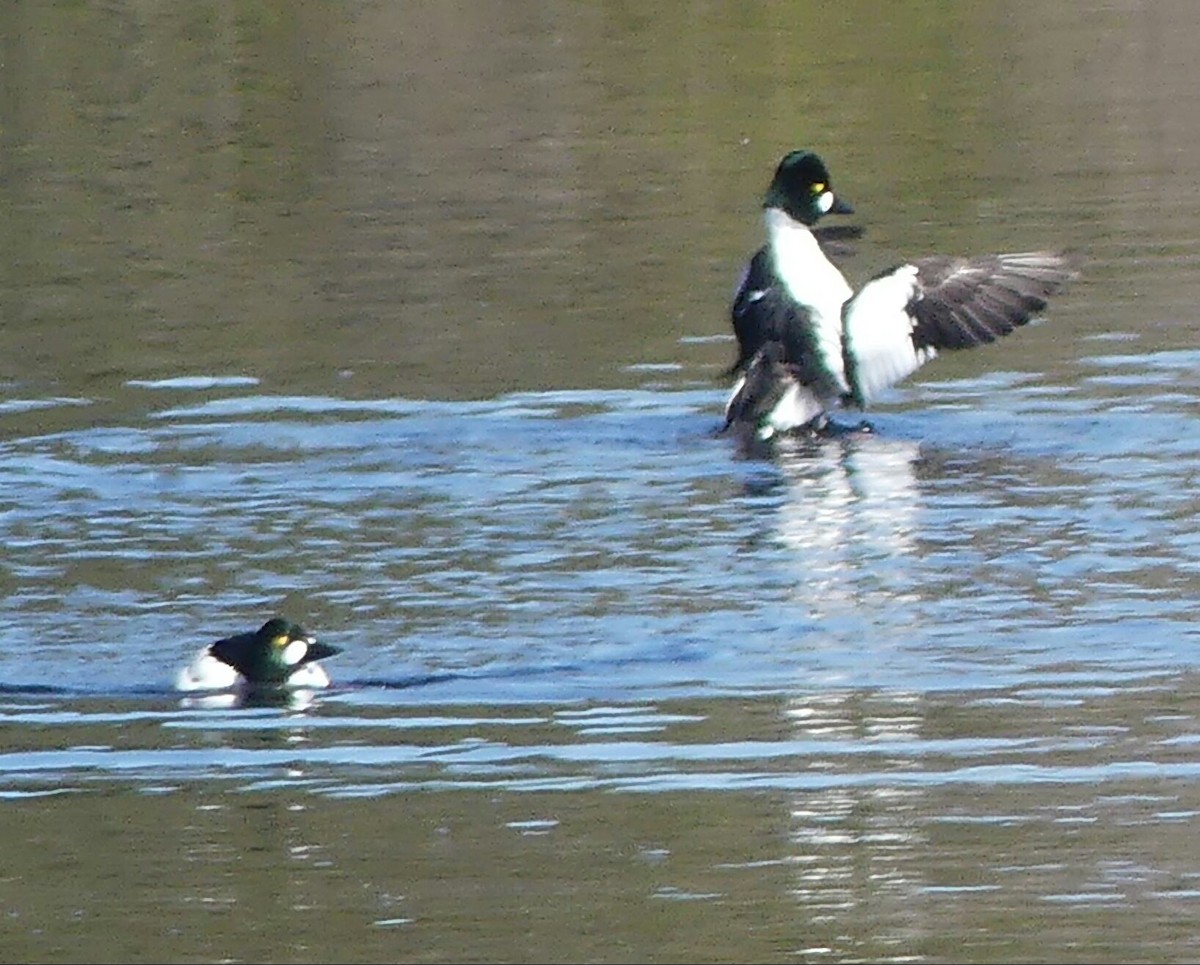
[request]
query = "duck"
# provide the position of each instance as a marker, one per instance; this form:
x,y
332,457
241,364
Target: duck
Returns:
x,y
279,654
808,343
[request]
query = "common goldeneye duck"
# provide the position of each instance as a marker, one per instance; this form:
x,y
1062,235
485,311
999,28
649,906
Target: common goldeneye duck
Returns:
x,y
801,193
799,323
277,654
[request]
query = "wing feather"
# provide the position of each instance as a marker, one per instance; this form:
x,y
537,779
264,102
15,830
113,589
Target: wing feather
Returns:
x,y
903,317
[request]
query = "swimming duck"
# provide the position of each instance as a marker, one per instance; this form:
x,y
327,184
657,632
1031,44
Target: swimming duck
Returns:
x,y
277,654
807,342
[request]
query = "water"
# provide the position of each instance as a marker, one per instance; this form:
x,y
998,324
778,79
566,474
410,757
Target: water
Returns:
x,y
408,321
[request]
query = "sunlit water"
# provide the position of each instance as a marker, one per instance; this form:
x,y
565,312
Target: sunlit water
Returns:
x,y
603,532
407,321
970,611
978,613
613,544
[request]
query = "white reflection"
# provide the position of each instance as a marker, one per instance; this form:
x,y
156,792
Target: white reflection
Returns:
x,y
850,521
294,699
851,517
859,852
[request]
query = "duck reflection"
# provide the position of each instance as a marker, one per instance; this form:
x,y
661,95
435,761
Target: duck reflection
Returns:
x,y
860,846
295,699
853,515
849,514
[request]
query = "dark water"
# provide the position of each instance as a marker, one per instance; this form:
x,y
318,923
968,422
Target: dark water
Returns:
x,y
408,320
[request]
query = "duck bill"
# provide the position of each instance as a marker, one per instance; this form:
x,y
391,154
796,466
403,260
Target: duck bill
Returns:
x,y
841,206
319,651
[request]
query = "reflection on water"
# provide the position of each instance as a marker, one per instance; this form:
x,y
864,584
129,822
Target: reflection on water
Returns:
x,y
291,698
894,852
407,319
859,851
859,821
865,687
851,513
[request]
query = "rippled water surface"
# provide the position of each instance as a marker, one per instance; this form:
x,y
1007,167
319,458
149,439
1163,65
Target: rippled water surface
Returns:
x,y
409,321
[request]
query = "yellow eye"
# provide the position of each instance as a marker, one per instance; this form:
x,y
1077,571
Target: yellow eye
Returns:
x,y
818,187
280,641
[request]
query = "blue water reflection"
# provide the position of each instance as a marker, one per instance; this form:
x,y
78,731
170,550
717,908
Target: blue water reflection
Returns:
x,y
609,543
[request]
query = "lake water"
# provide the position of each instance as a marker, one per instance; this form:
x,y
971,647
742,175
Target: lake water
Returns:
x,y
409,321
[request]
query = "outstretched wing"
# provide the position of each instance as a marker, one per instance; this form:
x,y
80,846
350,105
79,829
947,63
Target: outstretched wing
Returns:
x,y
902,318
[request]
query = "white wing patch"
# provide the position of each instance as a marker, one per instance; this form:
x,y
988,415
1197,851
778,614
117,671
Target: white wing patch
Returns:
x,y
734,393
206,672
878,332
310,675
796,409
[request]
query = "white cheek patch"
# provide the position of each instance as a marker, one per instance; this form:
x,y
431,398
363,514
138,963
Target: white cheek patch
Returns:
x,y
294,652
825,201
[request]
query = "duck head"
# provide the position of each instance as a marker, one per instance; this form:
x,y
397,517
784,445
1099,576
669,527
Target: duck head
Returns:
x,y
801,189
273,654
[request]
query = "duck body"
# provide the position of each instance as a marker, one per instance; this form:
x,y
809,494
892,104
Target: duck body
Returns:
x,y
808,343
279,654
792,293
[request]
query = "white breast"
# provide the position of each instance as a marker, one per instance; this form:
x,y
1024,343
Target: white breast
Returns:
x,y
812,281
